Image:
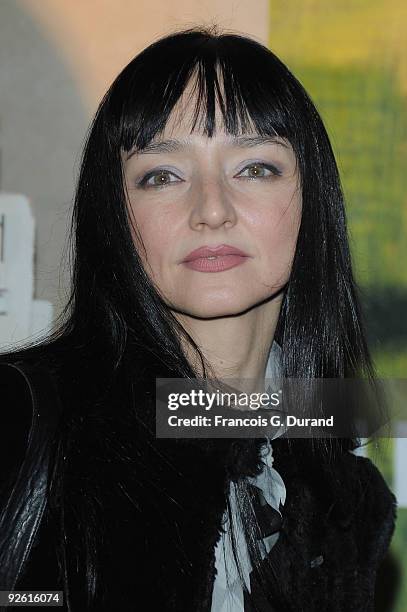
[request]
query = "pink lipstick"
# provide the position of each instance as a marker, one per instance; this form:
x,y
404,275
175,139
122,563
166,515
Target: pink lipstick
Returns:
x,y
215,259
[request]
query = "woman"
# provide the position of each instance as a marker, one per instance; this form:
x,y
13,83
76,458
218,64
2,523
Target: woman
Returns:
x,y
204,141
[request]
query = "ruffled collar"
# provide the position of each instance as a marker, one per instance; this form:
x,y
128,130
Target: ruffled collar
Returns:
x,y
227,591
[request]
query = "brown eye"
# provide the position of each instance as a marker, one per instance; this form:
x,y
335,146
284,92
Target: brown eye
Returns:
x,y
260,170
160,179
157,178
256,171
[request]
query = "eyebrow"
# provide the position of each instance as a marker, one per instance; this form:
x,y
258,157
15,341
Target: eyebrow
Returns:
x,y
173,145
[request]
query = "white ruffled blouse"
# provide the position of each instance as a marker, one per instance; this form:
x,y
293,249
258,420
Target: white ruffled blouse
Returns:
x,y
227,595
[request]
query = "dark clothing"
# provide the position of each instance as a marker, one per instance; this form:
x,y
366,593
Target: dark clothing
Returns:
x,y
156,507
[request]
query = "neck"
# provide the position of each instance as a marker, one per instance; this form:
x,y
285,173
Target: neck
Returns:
x,y
236,346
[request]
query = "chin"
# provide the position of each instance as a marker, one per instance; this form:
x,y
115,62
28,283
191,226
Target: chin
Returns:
x,y
209,309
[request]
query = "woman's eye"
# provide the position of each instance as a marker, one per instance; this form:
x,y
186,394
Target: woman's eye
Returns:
x,y
162,178
157,178
260,170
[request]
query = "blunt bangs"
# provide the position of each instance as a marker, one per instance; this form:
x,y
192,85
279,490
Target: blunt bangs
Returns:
x,y
249,84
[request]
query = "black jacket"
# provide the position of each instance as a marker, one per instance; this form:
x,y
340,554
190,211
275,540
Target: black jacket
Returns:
x,y
152,514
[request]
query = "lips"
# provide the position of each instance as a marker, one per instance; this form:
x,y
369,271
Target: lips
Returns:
x,y
218,251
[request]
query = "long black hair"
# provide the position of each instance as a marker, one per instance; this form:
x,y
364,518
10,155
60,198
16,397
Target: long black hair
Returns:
x,y
116,324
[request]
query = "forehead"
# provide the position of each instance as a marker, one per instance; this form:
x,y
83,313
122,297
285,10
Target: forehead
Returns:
x,y
189,113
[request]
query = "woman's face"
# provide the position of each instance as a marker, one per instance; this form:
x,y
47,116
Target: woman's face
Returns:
x,y
240,192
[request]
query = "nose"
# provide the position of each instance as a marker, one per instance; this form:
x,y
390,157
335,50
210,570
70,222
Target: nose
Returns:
x,y
212,206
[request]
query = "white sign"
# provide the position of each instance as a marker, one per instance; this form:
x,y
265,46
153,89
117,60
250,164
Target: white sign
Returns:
x,y
20,315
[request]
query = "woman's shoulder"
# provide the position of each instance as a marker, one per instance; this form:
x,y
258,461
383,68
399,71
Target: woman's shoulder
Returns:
x,y
375,505
27,403
349,495
16,418
56,365
25,375
18,368
367,484
364,507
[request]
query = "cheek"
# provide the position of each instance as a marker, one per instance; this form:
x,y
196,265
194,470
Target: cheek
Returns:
x,y
157,237
277,240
